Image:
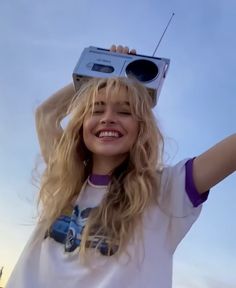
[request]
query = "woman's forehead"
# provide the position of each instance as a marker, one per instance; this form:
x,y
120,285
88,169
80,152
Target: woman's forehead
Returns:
x,y
120,96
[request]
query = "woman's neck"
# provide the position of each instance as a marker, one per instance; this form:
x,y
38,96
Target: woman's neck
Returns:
x,y
105,165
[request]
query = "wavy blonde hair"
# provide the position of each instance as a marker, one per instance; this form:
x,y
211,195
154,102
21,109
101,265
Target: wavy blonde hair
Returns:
x,y
134,184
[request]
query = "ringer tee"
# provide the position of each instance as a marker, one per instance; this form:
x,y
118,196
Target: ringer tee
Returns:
x,y
54,261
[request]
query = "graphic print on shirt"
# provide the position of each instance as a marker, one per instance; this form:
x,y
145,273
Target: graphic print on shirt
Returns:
x,y
68,231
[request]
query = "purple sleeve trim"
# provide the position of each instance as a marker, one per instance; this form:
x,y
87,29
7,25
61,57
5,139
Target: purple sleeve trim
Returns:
x,y
195,197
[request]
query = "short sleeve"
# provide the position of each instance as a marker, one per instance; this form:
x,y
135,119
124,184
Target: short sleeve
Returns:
x,y
178,196
179,200
196,198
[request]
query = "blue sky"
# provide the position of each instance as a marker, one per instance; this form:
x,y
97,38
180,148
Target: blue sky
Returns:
x,y
41,42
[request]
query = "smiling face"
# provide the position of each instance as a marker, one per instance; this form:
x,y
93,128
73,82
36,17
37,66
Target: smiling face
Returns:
x,y
109,128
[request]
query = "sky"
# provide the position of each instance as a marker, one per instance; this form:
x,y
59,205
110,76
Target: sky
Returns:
x,y
40,44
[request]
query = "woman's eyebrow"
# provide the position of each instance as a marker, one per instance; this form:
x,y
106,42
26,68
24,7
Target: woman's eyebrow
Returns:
x,y
99,103
122,103
117,103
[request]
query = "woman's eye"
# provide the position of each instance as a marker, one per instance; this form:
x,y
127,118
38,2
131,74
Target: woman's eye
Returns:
x,y
97,111
124,112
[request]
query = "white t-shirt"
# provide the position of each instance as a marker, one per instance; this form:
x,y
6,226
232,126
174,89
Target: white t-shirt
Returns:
x,y
148,262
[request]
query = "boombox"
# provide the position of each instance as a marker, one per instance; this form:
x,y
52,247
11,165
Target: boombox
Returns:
x,y
102,63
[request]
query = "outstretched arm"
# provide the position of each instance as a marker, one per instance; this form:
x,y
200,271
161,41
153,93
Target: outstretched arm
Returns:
x,y
48,117
215,164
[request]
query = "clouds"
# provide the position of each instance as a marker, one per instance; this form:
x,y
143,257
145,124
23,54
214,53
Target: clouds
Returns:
x,y
201,274
214,283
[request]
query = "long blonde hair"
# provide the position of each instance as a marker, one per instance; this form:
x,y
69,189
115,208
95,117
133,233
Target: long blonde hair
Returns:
x,y
134,184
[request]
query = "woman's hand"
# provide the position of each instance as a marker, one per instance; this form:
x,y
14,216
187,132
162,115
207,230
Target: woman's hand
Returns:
x,y
122,49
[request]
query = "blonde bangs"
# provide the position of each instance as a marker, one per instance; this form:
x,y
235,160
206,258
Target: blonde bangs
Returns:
x,y
137,95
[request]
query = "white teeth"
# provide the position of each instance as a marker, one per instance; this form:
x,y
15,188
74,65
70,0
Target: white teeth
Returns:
x,y
108,134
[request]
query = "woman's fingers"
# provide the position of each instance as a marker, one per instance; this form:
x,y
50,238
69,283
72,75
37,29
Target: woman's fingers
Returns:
x,y
113,48
132,51
122,49
126,50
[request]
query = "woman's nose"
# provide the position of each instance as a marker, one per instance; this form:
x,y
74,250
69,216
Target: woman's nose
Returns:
x,y
108,117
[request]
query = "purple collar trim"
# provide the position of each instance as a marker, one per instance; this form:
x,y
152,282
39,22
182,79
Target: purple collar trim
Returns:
x,y
99,179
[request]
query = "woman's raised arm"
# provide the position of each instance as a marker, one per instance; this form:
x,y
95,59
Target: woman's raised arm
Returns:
x,y
48,117
215,164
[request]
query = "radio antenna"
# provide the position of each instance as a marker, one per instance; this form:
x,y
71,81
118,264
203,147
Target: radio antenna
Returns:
x,y
163,34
